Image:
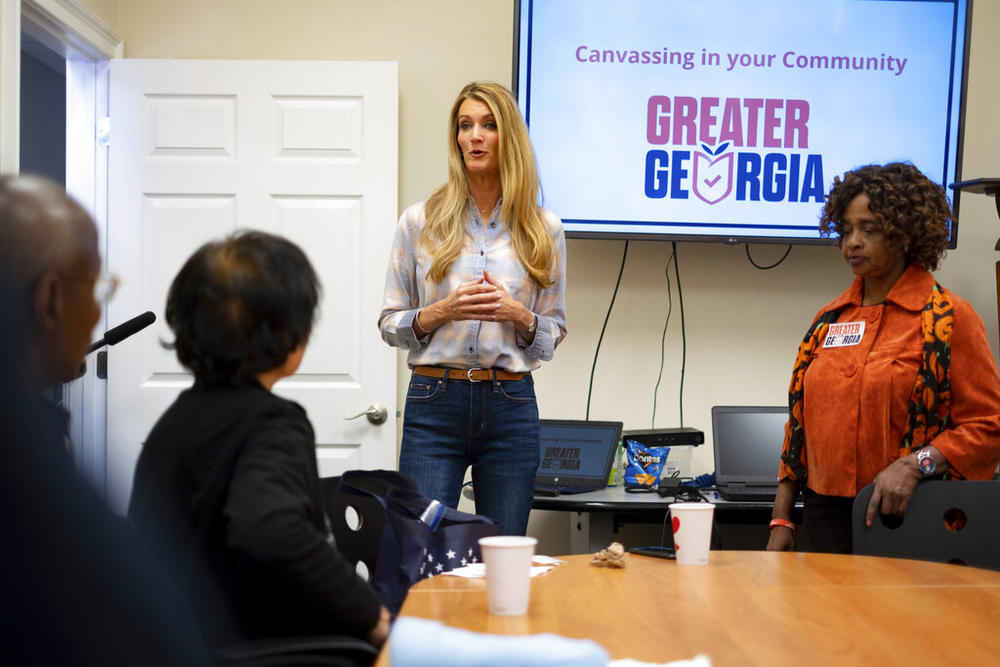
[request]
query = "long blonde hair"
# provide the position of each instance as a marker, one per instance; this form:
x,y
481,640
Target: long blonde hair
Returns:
x,y
446,209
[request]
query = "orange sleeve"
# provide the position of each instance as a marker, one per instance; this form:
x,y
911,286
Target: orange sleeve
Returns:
x,y
784,470
972,445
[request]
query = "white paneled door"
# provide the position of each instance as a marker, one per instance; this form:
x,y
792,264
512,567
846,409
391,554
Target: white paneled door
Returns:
x,y
303,149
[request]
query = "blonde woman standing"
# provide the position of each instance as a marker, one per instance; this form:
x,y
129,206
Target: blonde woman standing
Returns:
x,y
475,292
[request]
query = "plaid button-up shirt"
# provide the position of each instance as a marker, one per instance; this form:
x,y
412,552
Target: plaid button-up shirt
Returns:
x,y
472,343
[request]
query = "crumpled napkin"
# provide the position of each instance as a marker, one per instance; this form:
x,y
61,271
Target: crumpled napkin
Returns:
x,y
541,565
700,660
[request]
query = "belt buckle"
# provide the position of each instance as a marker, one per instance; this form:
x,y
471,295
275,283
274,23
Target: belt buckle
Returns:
x,y
468,374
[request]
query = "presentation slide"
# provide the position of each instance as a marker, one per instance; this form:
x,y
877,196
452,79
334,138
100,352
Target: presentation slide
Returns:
x,y
732,117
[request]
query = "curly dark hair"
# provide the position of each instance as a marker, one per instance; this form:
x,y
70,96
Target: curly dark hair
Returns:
x,y
239,306
913,210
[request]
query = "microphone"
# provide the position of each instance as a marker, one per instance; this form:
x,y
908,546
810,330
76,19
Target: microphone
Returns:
x,y
122,331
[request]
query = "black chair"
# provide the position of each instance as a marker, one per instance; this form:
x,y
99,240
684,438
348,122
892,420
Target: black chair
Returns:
x,y
357,528
951,522
357,523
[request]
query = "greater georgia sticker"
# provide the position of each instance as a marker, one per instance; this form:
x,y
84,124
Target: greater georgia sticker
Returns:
x,y
844,334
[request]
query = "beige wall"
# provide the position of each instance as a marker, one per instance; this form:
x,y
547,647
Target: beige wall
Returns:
x,y
742,324
106,10
440,46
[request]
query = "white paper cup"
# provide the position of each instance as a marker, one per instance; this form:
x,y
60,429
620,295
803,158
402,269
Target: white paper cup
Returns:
x,y
692,525
508,572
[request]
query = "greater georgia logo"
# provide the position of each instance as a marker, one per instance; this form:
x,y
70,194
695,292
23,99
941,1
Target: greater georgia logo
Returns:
x,y
719,127
713,174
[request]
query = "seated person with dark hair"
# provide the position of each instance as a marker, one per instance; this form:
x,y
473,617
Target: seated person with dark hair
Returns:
x,y
227,483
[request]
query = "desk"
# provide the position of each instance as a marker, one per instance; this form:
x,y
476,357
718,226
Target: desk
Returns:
x,y
596,516
748,608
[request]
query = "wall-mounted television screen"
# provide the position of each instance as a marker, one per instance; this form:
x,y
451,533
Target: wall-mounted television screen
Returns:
x,y
728,119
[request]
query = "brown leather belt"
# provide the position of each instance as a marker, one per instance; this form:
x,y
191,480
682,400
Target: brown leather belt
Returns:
x,y
470,375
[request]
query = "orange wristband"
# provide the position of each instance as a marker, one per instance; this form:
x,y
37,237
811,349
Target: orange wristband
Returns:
x,y
782,522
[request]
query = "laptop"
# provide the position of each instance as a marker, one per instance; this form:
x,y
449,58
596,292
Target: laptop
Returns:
x,y
747,443
576,455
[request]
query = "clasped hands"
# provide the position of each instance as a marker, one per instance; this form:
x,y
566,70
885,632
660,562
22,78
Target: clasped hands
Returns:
x,y
484,299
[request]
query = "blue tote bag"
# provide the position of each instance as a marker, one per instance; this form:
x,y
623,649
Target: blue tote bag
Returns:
x,y
419,537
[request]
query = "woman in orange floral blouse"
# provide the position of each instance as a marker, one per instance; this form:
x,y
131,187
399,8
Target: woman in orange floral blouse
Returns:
x,y
894,381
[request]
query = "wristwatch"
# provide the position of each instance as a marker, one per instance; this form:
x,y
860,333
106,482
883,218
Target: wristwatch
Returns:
x,y
925,462
533,325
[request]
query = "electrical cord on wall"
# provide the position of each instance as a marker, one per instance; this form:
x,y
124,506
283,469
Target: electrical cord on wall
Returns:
x,y
597,351
663,338
765,268
680,301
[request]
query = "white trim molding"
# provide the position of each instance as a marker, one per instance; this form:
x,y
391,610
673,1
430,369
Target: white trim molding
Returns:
x,y
66,27
87,44
77,32
10,86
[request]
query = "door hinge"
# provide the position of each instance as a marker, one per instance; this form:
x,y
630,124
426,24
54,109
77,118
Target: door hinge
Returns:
x,y
102,365
104,131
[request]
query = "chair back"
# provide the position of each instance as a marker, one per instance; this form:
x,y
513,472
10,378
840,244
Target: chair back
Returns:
x,y
946,521
380,518
357,523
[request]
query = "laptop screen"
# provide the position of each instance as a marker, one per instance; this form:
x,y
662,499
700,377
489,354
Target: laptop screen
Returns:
x,y
748,443
577,449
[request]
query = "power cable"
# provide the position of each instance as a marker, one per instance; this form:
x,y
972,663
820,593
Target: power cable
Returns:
x,y
765,268
618,282
680,300
663,339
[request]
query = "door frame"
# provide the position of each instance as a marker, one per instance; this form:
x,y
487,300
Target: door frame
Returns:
x,y
65,26
87,43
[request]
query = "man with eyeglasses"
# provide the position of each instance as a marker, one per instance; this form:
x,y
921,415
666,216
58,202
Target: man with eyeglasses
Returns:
x,y
77,586
50,264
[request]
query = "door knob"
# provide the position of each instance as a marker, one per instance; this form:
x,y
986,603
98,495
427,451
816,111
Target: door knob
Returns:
x,y
376,414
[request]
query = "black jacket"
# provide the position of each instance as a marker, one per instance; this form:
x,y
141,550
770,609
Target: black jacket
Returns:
x,y
76,585
227,488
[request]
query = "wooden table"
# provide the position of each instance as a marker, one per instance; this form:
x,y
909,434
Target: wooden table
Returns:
x,y
748,608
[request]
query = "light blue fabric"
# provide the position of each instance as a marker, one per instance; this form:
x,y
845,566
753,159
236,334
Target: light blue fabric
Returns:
x,y
416,642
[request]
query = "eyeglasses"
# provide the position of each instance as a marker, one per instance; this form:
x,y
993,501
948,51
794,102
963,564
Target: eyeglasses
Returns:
x,y
105,285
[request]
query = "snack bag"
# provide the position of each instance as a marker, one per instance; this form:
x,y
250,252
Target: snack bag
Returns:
x,y
643,465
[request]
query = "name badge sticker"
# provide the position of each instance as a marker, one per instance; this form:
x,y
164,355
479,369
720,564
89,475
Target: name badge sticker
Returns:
x,y
844,334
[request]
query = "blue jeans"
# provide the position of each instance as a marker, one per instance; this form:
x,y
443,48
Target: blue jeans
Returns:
x,y
493,426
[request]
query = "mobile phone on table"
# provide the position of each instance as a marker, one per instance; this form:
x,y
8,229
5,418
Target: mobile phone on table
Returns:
x,y
658,552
